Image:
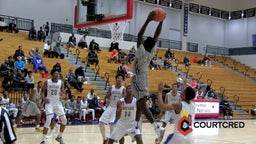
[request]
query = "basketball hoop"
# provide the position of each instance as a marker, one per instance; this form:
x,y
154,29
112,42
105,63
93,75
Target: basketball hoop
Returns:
x,y
117,30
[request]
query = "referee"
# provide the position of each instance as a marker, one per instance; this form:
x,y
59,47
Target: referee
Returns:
x,y
6,130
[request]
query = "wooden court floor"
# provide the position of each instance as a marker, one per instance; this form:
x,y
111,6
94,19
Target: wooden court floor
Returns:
x,y
89,134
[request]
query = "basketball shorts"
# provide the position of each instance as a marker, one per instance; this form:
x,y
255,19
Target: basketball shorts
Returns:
x,y
168,115
54,107
31,109
121,129
108,115
139,85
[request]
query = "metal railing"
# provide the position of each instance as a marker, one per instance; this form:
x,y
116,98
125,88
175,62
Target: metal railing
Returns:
x,y
21,23
106,76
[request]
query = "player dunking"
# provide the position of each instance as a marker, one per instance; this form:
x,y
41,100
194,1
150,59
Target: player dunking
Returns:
x,y
145,52
55,91
7,133
184,110
125,114
115,93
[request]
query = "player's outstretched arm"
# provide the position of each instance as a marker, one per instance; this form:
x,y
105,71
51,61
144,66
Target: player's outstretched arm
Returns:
x,y
142,30
158,31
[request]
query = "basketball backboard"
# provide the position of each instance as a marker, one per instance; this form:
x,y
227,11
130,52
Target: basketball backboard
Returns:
x,y
98,12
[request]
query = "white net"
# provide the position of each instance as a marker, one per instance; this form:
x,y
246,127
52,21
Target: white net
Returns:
x,y
117,30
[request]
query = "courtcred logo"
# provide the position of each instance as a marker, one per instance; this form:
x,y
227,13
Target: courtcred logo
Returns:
x,y
185,125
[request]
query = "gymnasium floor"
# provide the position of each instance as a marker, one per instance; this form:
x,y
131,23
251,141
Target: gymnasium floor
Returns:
x,y
89,134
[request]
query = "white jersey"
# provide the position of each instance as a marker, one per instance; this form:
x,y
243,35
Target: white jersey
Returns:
x,y
53,90
4,102
173,98
116,95
142,60
129,110
84,104
187,112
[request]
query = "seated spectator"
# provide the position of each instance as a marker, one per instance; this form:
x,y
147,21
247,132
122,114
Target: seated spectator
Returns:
x,y
85,109
40,34
47,50
30,82
127,69
3,25
167,64
168,54
57,50
32,34
20,65
186,61
94,46
8,81
19,53
38,64
11,62
114,45
131,55
72,41
200,93
78,107
13,27
113,56
73,81
193,83
121,69
94,104
19,81
82,42
91,94
93,58
154,64
70,108
80,76
207,61
4,68
57,67
195,60
67,88
121,56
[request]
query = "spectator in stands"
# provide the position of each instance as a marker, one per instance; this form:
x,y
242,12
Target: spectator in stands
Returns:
x,y
72,41
167,64
5,102
94,104
3,25
207,61
193,83
85,109
113,56
4,68
40,34
128,70
94,46
57,67
19,53
121,56
30,82
93,58
70,108
168,54
47,50
67,88
32,34
195,60
8,81
38,64
57,49
131,54
91,94
73,81
152,107
186,61
13,26
78,107
121,69
154,64
200,93
179,81
46,29
19,81
80,76
20,65
11,62
82,42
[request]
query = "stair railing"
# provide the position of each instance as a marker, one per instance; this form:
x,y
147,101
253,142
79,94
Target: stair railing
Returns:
x,y
77,54
97,68
106,76
236,99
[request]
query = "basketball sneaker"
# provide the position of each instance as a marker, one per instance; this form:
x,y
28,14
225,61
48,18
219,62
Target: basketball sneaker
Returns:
x,y
105,141
160,133
60,140
42,142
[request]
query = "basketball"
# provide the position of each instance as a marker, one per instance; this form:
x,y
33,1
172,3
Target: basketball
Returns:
x,y
159,14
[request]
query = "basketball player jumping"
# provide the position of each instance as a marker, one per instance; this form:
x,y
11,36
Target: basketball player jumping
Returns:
x,y
115,93
184,110
55,91
145,52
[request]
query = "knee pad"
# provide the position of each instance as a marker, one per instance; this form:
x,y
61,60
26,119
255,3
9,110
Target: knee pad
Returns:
x,y
48,121
63,119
